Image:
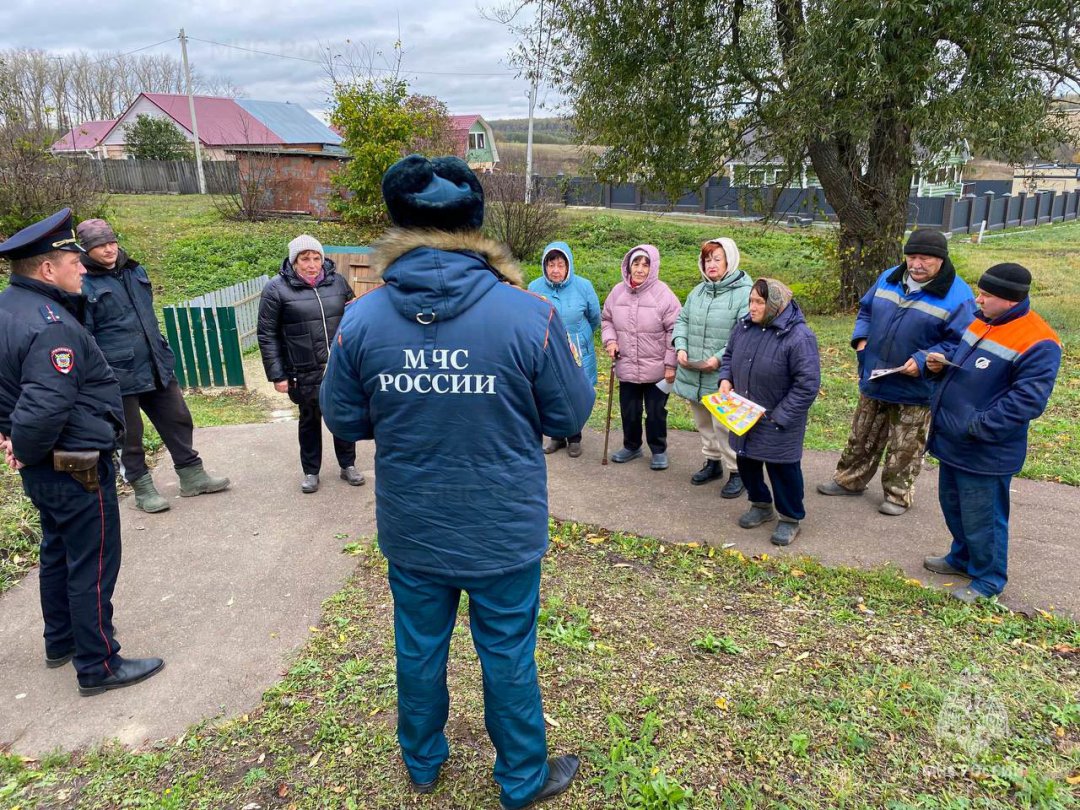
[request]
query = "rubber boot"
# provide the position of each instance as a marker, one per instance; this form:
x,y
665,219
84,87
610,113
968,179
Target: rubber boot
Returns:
x,y
195,480
147,498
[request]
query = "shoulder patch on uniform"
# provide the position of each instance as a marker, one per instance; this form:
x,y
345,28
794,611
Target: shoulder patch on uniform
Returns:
x,y
49,314
63,359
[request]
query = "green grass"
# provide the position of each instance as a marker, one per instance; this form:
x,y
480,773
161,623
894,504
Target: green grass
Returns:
x,y
189,249
686,676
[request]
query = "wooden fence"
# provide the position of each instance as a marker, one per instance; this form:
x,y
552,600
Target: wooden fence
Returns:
x,y
165,176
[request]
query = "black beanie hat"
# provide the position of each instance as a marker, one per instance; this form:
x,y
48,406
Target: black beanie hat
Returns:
x,y
927,242
442,193
1008,280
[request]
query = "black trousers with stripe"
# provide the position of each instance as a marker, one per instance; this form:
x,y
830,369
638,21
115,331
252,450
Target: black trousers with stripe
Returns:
x,y
80,558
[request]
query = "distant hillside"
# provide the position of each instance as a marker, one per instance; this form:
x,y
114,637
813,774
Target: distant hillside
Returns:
x,y
545,130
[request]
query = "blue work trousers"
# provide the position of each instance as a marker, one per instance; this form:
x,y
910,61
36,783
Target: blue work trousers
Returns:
x,y
503,612
976,510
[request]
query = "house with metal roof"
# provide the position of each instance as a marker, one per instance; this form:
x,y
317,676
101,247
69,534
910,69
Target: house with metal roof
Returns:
x,y
475,142
84,140
227,123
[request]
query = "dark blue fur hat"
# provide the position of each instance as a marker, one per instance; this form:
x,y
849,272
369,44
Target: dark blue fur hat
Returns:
x,y
442,193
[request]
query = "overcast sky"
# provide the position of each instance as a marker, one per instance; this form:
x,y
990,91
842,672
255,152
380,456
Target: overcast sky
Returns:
x,y
440,38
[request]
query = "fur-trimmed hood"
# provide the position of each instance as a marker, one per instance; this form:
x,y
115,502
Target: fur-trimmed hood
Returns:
x,y
434,275
396,242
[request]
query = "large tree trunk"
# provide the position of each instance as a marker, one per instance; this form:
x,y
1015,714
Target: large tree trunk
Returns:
x,y
872,205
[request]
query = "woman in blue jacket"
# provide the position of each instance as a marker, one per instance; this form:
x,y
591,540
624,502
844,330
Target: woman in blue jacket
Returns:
x,y
575,300
772,359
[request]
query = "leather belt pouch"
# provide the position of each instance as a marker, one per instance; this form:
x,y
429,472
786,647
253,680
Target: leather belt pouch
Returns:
x,y
80,465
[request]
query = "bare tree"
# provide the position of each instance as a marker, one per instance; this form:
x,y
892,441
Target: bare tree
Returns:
x,y
525,227
59,91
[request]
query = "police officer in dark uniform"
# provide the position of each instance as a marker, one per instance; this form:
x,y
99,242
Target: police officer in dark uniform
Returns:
x,y
61,418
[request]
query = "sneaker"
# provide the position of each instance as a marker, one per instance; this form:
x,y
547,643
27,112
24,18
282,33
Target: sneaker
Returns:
x,y
309,484
573,449
710,471
757,514
352,475
734,487
940,565
625,455
659,461
833,488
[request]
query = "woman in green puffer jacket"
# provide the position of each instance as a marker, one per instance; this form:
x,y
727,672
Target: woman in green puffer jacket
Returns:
x,y
701,333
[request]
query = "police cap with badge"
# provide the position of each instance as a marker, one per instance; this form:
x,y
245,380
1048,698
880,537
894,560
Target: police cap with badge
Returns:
x,y
52,233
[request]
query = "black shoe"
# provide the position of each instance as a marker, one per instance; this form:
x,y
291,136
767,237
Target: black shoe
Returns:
x,y
54,659
561,772
126,672
734,487
710,471
424,787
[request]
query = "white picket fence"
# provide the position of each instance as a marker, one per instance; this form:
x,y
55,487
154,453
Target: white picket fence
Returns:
x,y
242,297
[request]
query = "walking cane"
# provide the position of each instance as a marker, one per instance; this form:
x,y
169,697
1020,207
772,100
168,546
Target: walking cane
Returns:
x,y
610,395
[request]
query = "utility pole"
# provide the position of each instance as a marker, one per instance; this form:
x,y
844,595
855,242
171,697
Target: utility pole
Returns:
x,y
529,144
191,109
532,104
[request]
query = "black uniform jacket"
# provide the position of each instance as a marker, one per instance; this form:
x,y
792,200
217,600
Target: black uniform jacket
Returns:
x,y
56,389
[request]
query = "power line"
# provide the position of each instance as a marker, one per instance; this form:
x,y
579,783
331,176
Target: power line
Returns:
x,y
317,62
128,53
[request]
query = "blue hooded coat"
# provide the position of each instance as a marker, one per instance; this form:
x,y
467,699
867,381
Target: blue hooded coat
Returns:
x,y
456,376
577,304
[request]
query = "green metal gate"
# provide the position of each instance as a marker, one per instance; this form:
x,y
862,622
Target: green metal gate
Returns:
x,y
206,343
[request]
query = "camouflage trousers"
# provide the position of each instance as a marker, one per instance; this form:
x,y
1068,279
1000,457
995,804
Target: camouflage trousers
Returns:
x,y
898,431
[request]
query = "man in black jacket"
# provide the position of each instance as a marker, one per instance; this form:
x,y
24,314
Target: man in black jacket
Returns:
x,y
120,315
61,417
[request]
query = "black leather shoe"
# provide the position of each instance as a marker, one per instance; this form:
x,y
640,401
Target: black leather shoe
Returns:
x,y
710,471
54,659
561,772
125,672
424,787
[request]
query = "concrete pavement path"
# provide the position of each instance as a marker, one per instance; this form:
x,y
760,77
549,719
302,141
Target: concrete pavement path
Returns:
x,y
225,586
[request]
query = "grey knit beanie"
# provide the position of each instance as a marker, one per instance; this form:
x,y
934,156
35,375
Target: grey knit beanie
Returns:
x,y
304,242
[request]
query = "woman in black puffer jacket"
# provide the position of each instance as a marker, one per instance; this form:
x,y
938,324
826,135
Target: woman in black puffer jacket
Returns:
x,y
298,315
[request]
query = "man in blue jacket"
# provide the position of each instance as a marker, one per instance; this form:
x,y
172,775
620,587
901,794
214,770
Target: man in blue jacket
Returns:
x,y
918,307
1000,378
457,374
60,420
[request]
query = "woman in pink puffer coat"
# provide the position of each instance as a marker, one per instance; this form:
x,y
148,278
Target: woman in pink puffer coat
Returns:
x,y
636,326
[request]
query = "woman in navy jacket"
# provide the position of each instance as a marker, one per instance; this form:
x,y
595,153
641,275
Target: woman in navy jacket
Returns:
x,y
772,359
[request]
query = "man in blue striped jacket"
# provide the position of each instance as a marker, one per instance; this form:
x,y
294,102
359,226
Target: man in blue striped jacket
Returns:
x,y
915,308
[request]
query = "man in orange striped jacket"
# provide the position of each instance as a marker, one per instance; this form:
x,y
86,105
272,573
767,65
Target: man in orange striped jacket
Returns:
x,y
1000,378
